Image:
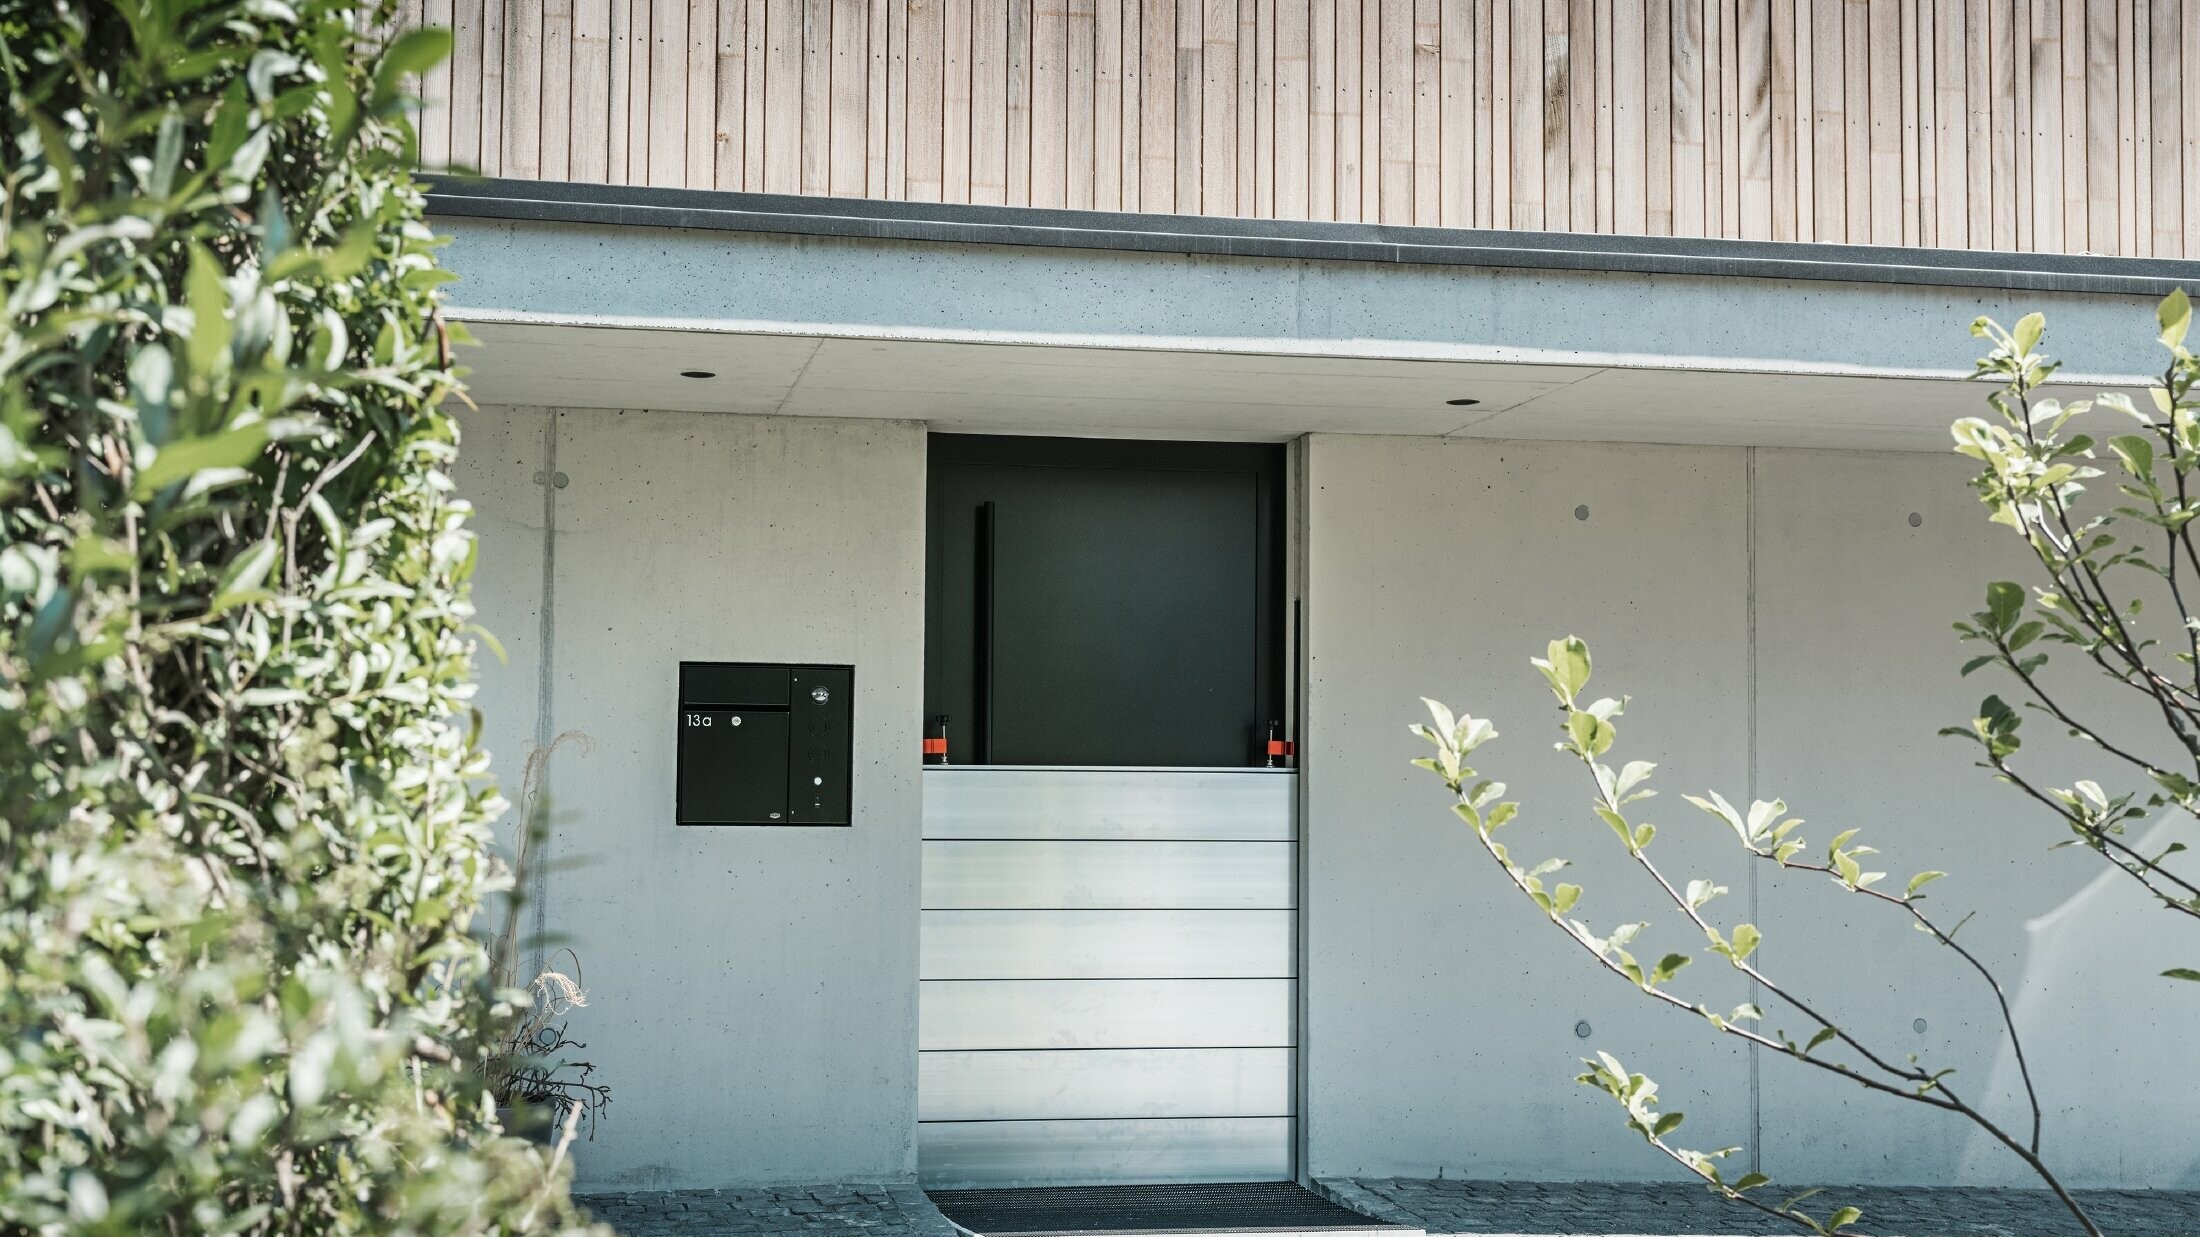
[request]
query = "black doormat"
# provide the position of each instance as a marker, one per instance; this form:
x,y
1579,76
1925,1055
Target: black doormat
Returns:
x,y
1083,1211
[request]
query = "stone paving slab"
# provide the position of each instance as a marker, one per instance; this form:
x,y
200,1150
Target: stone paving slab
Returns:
x,y
1588,1209
838,1210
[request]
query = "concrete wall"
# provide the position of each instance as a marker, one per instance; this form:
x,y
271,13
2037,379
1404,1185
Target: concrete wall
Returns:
x,y
1783,629
1780,623
752,991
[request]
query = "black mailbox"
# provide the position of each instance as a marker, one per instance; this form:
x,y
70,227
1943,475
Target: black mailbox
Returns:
x,y
764,744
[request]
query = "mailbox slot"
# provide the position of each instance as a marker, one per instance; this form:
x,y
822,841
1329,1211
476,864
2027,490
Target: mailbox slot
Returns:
x,y
764,744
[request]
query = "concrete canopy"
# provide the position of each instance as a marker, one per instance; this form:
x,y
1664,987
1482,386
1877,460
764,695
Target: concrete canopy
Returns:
x,y
1039,339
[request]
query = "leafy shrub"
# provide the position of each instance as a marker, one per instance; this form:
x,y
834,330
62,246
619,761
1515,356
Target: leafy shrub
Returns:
x,y
2100,560
243,826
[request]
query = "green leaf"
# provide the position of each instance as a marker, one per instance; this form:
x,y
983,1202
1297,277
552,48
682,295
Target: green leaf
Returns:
x,y
231,448
1923,879
246,573
2175,316
2182,972
2027,334
1751,1181
2136,453
209,302
1565,667
2004,602
1823,1035
415,53
1847,1215
1745,941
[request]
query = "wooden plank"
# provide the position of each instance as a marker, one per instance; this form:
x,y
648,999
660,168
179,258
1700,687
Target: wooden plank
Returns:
x,y
957,117
1050,103
2127,127
1688,149
730,124
1371,110
849,99
1021,14
1828,126
2165,34
1404,75
700,78
1719,216
620,92
1753,44
1583,103
2045,126
2000,189
434,121
2100,187
927,100
2076,227
2188,125
1792,118
1425,140
1978,141
1498,165
1524,55
897,100
662,107
2139,242
464,124
1915,102
752,102
875,92
1107,104
1293,111
2020,118
554,103
1191,35
1951,167
1080,149
1612,187
1856,116
522,106
1133,105
782,96
1322,152
1855,124
988,142
1483,119
1248,106
1157,105
493,56
1348,160
1657,115
1631,201
1884,142
1558,115
1217,166
817,96
642,132
1730,117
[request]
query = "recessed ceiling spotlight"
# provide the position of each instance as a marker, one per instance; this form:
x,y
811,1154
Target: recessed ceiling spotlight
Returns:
x,y
697,373
1462,403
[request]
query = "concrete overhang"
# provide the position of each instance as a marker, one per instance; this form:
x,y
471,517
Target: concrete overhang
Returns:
x,y
1011,320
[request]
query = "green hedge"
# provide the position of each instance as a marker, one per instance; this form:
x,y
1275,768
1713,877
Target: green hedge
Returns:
x,y
243,823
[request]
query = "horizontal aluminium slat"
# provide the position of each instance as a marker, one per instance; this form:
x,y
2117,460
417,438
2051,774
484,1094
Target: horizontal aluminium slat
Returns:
x,y
960,1014
1112,1083
999,875
1109,944
1110,803
1007,1154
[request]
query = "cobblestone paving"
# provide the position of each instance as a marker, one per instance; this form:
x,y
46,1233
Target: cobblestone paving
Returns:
x,y
1479,1207
812,1211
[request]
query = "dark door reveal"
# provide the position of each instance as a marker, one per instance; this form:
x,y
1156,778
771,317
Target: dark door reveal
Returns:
x,y
1103,602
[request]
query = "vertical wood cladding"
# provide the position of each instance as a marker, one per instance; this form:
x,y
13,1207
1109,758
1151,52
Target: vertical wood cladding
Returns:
x,y
2057,125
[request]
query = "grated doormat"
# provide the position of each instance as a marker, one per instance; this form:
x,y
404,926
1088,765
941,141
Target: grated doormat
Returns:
x,y
1087,1211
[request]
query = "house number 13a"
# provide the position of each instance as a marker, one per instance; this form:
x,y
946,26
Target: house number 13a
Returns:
x,y
704,720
